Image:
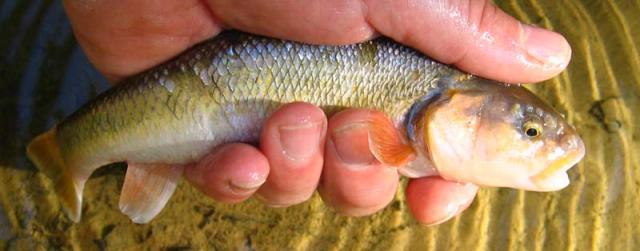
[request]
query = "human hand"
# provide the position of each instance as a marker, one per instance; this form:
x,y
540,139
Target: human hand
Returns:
x,y
122,38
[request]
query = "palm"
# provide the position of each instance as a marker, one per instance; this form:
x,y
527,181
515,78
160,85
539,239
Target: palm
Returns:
x,y
122,38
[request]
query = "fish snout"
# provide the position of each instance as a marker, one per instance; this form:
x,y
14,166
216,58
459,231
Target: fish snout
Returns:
x,y
554,176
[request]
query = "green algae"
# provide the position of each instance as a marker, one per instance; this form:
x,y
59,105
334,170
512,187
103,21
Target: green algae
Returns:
x,y
599,93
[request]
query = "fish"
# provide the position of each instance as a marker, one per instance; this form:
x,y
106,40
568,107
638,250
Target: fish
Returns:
x,y
441,121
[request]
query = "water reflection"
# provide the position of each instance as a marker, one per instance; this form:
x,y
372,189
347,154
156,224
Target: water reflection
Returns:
x,y
54,77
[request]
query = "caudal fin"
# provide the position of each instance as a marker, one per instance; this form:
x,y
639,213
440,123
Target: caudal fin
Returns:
x,y
44,151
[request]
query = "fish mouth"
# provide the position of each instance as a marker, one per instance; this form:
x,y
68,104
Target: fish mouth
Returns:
x,y
555,176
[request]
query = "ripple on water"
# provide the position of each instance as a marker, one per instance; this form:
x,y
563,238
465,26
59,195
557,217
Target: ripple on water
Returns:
x,y
5,226
599,93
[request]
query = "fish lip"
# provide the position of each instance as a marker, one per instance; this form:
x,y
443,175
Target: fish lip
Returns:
x,y
560,166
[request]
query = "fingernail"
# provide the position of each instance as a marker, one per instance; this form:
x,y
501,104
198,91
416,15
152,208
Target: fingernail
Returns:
x,y
455,206
273,205
301,140
450,211
240,189
544,47
351,143
264,200
249,182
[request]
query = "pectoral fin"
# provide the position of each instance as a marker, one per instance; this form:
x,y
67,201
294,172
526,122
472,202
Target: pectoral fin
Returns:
x,y
147,188
386,143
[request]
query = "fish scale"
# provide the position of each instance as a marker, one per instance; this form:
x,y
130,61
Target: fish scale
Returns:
x,y
223,90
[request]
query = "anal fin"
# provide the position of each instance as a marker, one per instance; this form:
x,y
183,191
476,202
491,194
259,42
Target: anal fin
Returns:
x,y
147,189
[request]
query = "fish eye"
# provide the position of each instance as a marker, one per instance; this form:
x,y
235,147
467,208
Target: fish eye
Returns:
x,y
532,129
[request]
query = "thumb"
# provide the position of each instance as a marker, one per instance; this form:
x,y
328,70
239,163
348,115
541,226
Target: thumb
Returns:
x,y
474,35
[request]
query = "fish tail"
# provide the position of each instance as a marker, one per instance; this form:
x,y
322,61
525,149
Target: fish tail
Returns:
x,y
44,151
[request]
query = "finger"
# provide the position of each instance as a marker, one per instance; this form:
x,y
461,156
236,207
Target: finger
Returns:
x,y
433,200
353,181
333,21
231,174
474,35
125,37
292,140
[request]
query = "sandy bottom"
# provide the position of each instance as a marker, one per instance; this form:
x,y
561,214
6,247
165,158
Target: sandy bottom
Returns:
x,y
599,93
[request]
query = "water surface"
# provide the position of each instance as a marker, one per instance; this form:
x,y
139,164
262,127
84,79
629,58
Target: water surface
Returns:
x,y
45,76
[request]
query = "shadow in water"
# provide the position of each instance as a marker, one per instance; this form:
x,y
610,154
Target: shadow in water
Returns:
x,y
44,75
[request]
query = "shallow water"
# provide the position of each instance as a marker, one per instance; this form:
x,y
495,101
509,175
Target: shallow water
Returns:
x,y
45,76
